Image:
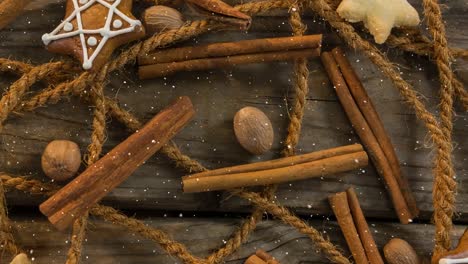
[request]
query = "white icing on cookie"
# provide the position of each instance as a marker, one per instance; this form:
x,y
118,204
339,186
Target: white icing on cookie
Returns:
x,y
117,23
92,41
68,27
105,31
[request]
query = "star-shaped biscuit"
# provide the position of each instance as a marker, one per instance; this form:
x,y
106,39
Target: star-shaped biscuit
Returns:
x,y
379,16
93,29
457,255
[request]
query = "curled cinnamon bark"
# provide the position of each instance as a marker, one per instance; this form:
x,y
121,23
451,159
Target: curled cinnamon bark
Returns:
x,y
220,11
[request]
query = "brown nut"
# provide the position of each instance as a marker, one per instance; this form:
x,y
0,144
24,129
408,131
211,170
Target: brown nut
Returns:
x,y
398,251
253,130
160,18
61,159
21,259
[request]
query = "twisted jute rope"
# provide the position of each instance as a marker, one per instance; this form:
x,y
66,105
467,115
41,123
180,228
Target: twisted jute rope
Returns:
x,y
8,102
244,230
54,94
17,90
94,151
444,186
84,80
7,241
78,87
249,224
109,214
301,84
412,40
187,163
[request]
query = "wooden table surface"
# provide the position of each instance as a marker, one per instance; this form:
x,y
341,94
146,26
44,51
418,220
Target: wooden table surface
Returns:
x,y
204,221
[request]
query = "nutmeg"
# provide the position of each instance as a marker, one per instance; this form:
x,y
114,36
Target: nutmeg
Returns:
x,y
21,259
160,18
253,130
61,159
398,251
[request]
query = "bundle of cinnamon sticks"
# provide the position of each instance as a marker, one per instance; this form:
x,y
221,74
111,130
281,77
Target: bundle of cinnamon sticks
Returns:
x,y
368,126
311,165
353,224
219,55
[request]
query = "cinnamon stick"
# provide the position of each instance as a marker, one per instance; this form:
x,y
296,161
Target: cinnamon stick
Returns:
x,y
372,117
224,49
164,69
96,181
203,182
367,137
339,205
363,230
284,162
10,9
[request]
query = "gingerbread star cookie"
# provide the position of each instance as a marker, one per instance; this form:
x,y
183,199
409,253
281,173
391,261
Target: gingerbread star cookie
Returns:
x,y
93,29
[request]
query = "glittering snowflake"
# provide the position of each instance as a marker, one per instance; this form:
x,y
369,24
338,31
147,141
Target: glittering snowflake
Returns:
x,y
114,20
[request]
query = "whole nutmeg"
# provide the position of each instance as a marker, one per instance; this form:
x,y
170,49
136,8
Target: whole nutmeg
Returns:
x,y
398,251
160,18
253,130
21,259
61,159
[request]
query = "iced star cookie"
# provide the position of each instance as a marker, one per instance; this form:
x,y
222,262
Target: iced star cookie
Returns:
x,y
93,29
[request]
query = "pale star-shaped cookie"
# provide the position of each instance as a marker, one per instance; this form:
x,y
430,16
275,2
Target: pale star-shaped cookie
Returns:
x,y
379,16
458,254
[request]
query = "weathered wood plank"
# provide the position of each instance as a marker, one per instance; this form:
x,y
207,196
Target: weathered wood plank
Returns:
x,y
47,245
217,95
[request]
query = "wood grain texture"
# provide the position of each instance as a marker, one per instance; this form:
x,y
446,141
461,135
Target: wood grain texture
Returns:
x,y
217,95
46,245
